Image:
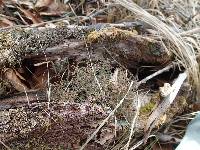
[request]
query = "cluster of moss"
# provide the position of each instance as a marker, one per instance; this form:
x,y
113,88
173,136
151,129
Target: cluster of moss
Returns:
x,y
147,109
109,34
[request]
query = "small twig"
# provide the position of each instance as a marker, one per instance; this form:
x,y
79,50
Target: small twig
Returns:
x,y
95,14
20,100
89,17
155,74
189,32
133,121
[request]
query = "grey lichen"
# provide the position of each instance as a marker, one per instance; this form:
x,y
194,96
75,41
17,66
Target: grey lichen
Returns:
x,y
67,124
18,42
94,84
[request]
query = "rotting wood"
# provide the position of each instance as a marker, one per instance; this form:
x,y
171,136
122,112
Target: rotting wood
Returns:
x,y
64,124
131,52
55,127
17,43
22,99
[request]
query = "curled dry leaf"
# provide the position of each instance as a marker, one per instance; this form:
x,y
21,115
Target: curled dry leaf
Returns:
x,y
15,79
44,3
161,120
4,22
54,7
35,19
29,4
42,74
165,90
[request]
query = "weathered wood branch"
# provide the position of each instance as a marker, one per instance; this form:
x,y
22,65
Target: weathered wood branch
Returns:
x,y
131,52
18,43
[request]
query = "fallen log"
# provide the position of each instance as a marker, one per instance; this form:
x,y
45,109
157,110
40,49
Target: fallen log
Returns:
x,y
64,125
22,99
18,43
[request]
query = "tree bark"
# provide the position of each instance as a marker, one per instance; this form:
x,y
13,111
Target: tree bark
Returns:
x,y
60,124
123,45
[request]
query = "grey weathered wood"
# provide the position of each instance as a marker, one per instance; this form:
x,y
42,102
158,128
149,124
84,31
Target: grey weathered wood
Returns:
x,y
17,43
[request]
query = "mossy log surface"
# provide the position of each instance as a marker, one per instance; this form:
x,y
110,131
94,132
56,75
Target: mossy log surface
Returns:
x,y
61,124
18,42
123,45
64,124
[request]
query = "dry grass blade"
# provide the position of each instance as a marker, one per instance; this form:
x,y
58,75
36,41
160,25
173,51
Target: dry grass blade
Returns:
x,y
184,53
156,114
8,148
133,122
